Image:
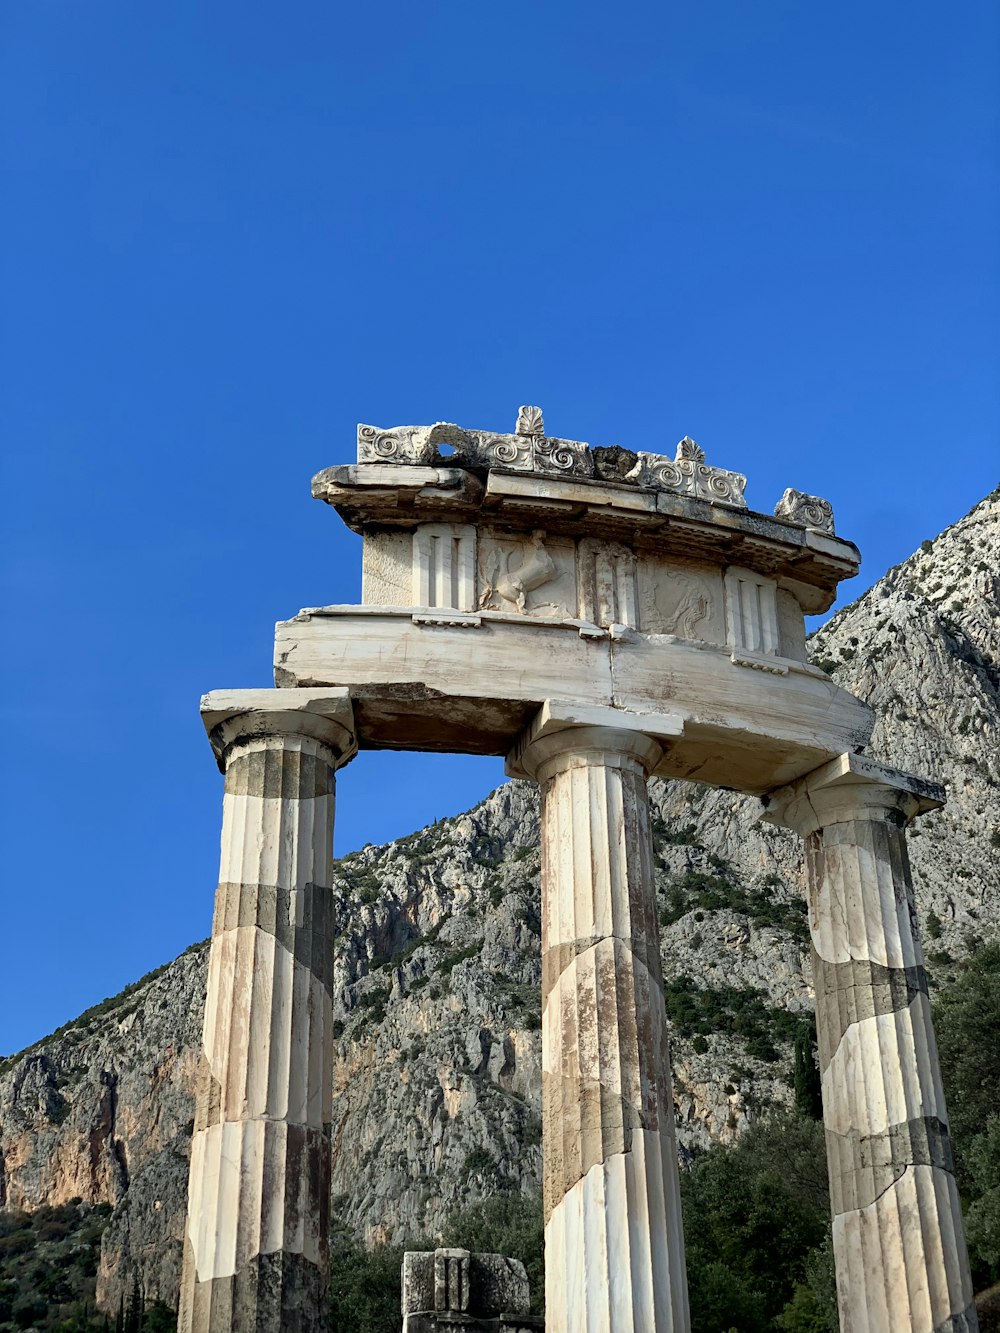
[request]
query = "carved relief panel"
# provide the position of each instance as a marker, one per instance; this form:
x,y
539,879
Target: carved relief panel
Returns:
x,y
533,575
444,566
682,600
387,569
609,592
751,614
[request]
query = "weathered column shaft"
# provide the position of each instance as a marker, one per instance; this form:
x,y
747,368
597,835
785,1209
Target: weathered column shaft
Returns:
x,y
614,1248
258,1214
897,1224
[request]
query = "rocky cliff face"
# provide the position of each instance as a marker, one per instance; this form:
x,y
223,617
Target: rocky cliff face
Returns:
x,y
437,1069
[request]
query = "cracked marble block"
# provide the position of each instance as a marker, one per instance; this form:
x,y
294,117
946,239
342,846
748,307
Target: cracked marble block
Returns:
x,y
614,1244
255,1248
897,1222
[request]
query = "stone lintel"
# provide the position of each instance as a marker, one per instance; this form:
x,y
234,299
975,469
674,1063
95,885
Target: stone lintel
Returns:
x,y
326,715
560,715
845,788
474,690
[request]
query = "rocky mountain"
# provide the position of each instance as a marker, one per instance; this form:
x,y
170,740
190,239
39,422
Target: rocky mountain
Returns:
x,y
437,1070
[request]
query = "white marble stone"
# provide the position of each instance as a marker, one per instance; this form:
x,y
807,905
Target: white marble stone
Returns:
x,y
752,729
258,1205
809,510
614,1236
897,1231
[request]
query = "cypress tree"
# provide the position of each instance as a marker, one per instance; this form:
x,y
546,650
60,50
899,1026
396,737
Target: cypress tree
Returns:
x,y
808,1094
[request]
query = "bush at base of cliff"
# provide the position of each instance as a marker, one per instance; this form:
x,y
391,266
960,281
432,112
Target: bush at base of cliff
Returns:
x,y
48,1267
967,1021
756,1215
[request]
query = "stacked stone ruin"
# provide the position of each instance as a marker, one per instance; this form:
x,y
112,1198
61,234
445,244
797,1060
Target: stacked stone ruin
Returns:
x,y
597,616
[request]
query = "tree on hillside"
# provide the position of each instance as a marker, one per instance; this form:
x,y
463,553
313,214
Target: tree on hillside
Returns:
x,y
967,1021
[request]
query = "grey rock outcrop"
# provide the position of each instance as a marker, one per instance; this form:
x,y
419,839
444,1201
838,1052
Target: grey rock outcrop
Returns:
x,y
437,1068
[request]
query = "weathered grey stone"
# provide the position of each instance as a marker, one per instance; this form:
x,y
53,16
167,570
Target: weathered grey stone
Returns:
x,y
459,1283
809,510
279,1291
897,1224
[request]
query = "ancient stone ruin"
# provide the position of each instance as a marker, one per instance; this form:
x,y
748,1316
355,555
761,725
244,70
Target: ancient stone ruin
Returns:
x,y
597,616
444,1291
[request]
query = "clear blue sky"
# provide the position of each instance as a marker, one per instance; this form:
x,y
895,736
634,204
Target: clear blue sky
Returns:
x,y
231,231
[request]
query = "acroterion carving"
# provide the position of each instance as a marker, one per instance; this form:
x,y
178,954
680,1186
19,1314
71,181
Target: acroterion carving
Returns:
x,y
809,510
687,449
530,422
688,474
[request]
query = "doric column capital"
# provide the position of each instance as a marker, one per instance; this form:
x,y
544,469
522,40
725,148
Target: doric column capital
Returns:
x,y
241,717
563,733
847,788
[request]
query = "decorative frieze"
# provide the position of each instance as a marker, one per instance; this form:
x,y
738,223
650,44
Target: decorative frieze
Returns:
x,y
688,474
809,511
529,449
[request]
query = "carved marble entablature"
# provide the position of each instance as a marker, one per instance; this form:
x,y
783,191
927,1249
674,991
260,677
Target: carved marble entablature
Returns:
x,y
810,511
682,600
529,449
687,473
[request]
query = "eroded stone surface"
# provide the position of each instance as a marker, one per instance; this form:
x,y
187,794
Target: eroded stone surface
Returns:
x,y
897,1230
614,1236
461,1282
255,1255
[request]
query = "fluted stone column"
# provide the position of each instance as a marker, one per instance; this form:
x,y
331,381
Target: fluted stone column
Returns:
x,y
614,1246
255,1257
897,1224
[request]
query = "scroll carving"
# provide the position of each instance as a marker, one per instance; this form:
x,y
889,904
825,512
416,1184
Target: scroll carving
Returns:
x,y
808,510
688,474
445,444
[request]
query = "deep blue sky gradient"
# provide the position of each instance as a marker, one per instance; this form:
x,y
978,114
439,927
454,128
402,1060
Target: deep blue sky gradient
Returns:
x,y
231,231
